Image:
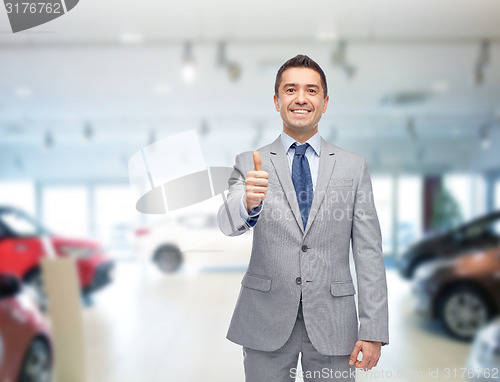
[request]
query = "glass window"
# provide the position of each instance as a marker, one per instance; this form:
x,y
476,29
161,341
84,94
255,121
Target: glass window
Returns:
x,y
383,196
115,216
469,191
65,210
409,210
20,224
19,194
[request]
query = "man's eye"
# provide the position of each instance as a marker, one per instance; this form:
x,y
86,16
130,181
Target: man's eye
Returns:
x,y
312,91
290,90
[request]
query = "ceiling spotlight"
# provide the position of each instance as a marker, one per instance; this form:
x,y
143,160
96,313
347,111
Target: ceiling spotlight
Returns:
x,y
332,136
48,141
152,137
482,63
484,137
188,70
131,38
233,68
88,133
339,59
234,71
204,128
221,54
410,128
18,161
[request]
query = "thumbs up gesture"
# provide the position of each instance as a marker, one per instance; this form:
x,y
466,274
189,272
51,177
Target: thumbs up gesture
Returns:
x,y
255,184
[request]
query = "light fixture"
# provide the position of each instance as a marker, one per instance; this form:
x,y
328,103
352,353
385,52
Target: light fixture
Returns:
x,y
332,136
232,67
204,128
88,133
188,70
221,54
482,63
152,137
484,136
18,161
23,91
48,141
339,59
410,128
131,38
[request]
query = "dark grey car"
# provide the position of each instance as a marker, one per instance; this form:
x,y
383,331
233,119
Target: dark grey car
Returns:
x,y
481,233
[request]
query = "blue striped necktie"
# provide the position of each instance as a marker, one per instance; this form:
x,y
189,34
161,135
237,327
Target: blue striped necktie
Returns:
x,y
302,181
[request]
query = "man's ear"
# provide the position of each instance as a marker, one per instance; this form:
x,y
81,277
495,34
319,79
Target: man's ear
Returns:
x,y
276,103
325,104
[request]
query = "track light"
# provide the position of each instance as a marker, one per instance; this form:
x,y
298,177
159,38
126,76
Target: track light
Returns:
x,y
188,70
484,137
482,63
339,59
410,128
152,137
232,67
48,141
88,133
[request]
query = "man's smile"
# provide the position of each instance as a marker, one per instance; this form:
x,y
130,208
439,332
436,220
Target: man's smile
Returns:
x,y
300,111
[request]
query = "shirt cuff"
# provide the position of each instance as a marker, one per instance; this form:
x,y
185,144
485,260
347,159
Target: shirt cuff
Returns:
x,y
254,214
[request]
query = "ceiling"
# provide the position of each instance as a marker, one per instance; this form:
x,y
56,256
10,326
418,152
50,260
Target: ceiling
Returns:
x,y
112,68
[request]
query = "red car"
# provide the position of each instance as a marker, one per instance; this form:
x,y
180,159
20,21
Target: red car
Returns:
x,y
21,250
26,353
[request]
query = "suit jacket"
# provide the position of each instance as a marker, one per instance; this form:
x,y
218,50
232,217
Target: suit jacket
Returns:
x,y
288,260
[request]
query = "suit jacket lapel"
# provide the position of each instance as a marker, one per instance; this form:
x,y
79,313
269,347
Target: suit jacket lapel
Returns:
x,y
280,163
326,164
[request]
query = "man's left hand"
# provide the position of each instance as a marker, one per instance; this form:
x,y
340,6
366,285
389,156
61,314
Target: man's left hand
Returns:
x,y
371,354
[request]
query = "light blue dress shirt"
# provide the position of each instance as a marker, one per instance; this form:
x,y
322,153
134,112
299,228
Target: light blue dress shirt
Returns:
x,y
312,154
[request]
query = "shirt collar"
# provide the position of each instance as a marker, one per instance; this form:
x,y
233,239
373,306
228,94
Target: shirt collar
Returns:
x,y
314,142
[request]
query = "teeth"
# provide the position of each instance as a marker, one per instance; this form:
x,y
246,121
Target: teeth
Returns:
x,y
300,111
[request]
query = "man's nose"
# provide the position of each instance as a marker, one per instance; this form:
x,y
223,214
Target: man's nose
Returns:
x,y
301,98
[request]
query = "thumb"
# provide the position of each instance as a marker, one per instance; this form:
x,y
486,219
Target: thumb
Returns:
x,y
257,161
354,355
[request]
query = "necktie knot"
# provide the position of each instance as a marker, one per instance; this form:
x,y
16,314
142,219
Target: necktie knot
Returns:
x,y
300,149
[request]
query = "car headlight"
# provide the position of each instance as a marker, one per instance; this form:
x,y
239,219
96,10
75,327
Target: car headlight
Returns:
x,y
76,252
425,271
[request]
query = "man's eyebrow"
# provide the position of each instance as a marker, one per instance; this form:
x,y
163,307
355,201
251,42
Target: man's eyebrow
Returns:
x,y
307,85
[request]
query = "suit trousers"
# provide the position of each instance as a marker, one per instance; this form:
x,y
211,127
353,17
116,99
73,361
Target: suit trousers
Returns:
x,y
281,365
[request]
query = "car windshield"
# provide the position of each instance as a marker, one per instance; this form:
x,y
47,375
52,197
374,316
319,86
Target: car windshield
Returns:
x,y
482,228
21,224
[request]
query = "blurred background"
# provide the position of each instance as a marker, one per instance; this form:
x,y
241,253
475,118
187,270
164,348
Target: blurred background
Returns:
x,y
414,87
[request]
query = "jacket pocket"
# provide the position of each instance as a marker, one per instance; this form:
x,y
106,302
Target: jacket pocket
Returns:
x,y
341,182
342,288
256,282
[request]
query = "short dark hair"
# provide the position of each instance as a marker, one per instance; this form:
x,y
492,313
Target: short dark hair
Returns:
x,y
301,61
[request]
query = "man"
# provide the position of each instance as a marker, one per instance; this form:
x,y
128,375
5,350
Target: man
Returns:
x,y
306,200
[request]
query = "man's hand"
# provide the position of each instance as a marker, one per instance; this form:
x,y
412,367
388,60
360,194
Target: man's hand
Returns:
x,y
255,184
371,354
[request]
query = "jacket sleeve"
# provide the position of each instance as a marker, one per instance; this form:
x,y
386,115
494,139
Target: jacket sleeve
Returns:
x,y
366,242
229,218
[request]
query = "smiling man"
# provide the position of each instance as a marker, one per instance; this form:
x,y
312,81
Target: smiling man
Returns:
x,y
307,201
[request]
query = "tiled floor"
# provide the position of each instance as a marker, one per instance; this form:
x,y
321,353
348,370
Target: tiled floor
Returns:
x,y
149,327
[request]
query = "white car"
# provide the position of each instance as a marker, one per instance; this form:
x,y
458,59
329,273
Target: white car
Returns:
x,y
191,237
483,363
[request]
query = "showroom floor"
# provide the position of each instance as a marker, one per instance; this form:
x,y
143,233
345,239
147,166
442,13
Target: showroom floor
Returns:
x,y
149,327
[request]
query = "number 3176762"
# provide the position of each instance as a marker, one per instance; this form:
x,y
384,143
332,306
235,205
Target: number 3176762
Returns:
x,y
33,7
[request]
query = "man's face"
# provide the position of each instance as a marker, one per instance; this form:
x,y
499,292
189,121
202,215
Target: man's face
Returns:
x,y
300,100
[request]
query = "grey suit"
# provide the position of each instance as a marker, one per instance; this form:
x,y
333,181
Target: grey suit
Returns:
x,y
288,260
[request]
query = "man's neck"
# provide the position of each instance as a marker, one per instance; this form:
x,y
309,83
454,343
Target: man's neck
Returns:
x,y
300,136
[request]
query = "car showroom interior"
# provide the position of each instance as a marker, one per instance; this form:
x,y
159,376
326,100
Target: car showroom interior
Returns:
x,y
120,122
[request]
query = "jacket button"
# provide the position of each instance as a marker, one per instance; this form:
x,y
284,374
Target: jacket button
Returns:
x,y
298,280
304,248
